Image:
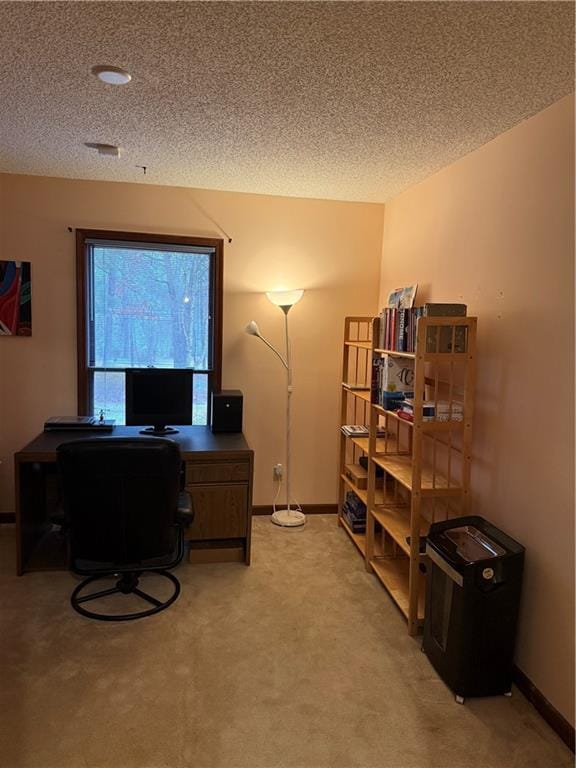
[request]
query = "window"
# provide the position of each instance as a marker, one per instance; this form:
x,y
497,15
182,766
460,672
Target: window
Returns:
x,y
146,300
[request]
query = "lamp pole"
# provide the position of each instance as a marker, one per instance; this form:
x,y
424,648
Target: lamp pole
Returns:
x,y
288,517
286,309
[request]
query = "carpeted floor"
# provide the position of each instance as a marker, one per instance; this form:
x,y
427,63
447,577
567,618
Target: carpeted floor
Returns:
x,y
299,661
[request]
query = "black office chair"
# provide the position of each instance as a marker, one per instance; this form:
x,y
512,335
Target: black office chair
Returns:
x,y
124,514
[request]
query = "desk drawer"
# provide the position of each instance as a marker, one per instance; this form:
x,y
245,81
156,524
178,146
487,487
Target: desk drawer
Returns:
x,y
220,511
217,472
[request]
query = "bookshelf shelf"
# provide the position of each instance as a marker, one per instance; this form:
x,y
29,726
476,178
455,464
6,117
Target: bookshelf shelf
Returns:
x,y
362,394
380,497
426,426
359,344
425,464
362,443
396,522
394,353
401,468
393,573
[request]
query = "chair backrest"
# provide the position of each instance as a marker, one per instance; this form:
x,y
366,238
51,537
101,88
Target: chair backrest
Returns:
x,y
120,498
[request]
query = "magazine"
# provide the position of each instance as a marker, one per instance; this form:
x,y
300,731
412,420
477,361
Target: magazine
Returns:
x,y
403,298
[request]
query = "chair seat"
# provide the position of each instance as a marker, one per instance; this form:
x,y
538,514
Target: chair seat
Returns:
x,y
84,567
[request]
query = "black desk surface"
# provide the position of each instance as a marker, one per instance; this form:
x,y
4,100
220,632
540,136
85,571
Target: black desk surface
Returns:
x,y
196,440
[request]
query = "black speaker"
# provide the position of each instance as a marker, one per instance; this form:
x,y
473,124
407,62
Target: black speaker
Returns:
x,y
227,411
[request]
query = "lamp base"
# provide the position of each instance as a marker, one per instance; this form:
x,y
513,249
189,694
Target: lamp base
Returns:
x,y
288,518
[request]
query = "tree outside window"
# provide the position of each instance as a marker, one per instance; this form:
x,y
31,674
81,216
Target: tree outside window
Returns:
x,y
147,303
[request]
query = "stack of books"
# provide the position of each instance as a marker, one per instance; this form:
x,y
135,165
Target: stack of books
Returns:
x,y
439,410
360,430
354,430
398,328
354,513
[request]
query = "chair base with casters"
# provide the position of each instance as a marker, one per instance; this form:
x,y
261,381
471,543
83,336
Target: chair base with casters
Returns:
x,y
127,584
129,580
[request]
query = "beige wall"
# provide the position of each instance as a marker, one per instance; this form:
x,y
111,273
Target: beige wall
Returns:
x,y
495,230
331,249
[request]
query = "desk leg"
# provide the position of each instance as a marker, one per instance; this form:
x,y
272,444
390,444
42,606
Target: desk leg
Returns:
x,y
248,542
31,522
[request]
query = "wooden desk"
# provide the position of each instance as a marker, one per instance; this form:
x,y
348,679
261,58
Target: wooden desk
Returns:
x,y
218,475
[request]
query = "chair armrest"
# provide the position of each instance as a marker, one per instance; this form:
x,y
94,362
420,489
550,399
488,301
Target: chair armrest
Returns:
x,y
185,512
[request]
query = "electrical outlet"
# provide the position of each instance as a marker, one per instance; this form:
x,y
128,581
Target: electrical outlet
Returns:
x,y
277,472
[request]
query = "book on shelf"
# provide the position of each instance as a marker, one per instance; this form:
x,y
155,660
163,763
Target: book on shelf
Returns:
x,y
354,512
357,475
392,401
398,326
397,331
360,430
444,310
403,298
355,430
397,374
439,410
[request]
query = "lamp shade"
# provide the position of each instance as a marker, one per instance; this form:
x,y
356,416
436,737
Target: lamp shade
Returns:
x,y
285,298
252,328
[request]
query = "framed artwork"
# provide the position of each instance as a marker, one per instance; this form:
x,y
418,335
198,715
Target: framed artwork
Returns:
x,y
15,299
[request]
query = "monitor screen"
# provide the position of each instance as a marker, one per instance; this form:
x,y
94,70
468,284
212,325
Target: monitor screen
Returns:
x,y
158,396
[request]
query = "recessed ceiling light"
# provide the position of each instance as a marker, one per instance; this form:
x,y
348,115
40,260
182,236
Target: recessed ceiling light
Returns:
x,y
111,75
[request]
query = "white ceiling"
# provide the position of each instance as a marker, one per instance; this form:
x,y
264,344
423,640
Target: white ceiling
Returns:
x,y
342,100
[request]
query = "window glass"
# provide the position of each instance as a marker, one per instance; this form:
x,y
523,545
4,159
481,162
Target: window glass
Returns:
x,y
148,305
150,308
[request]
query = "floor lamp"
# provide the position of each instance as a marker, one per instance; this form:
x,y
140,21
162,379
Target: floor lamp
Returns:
x,y
287,517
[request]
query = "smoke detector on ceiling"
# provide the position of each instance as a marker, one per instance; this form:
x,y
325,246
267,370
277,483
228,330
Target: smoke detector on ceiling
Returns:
x,y
111,75
109,150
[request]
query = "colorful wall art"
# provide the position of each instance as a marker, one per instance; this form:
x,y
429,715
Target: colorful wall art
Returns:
x,y
15,299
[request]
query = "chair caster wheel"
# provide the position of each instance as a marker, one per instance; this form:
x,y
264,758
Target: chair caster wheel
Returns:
x,y
459,699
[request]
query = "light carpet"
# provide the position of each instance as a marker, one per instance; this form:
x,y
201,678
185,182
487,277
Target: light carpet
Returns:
x,y
298,661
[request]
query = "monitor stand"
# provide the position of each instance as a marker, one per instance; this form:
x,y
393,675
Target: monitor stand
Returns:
x,y
159,431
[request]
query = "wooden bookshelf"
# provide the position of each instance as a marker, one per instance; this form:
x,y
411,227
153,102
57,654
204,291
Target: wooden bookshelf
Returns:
x,y
423,462
438,463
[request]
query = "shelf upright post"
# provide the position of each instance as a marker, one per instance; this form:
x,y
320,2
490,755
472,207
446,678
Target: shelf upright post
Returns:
x,y
469,393
371,493
343,414
416,495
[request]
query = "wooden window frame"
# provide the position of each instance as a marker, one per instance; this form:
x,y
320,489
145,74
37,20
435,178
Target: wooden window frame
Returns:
x,y
82,235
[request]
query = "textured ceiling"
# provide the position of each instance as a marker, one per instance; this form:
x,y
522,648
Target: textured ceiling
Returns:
x,y
343,100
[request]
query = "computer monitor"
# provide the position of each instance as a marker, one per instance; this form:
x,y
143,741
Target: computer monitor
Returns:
x,y
158,396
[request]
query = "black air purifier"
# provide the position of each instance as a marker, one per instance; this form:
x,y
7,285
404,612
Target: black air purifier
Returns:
x,y
227,411
473,590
